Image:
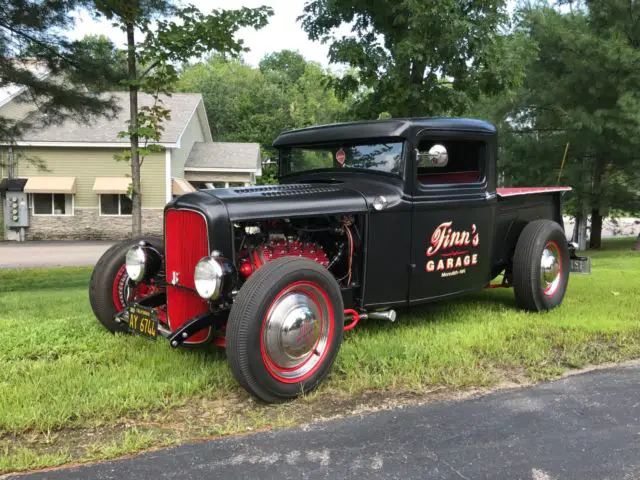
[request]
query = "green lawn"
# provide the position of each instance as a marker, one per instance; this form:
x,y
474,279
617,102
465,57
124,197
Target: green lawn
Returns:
x,y
71,391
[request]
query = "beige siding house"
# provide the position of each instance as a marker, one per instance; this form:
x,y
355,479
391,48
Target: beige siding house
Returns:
x,y
75,187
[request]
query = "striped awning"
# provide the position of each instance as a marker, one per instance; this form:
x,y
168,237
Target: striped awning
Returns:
x,y
113,185
50,185
180,186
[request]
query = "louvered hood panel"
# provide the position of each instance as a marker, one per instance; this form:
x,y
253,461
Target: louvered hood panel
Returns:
x,y
292,200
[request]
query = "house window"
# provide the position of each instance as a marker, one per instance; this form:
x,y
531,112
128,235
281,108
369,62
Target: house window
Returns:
x,y
111,204
52,204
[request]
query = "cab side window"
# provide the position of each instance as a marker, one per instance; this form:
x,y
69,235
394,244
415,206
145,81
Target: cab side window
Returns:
x,y
450,162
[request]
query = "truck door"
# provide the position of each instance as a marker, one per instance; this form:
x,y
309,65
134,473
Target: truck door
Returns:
x,y
454,204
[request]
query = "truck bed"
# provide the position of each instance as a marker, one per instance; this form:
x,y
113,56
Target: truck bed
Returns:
x,y
518,206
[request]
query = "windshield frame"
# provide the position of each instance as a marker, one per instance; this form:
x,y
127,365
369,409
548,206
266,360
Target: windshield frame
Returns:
x,y
284,173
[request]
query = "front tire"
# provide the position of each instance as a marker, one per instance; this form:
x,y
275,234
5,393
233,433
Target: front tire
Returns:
x,y
109,289
541,266
285,329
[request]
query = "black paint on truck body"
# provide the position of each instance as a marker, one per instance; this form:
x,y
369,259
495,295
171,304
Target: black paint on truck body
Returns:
x,y
400,263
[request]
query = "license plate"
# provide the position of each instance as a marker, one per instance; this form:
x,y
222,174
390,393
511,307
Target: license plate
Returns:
x,y
143,321
581,265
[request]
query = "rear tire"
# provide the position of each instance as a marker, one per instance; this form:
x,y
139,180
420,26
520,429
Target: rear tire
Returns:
x,y
285,329
541,266
108,280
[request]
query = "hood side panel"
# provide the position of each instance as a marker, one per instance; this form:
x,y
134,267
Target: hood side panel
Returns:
x,y
288,201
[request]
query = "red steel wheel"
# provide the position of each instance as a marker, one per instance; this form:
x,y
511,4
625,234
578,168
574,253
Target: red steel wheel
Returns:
x,y
285,329
110,290
295,332
550,268
121,289
124,293
541,266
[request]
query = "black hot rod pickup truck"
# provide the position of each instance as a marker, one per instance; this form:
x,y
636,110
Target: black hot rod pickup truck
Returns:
x,y
368,216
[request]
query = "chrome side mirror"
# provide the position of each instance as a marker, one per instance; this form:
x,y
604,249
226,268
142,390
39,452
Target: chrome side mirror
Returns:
x,y
437,156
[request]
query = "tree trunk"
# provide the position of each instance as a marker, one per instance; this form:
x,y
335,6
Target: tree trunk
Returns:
x,y
136,199
576,227
595,241
636,247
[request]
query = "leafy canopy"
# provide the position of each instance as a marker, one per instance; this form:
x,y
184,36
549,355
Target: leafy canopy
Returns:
x,y
412,57
247,104
36,54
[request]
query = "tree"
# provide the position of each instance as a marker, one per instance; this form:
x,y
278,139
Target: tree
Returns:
x,y
291,64
34,53
243,104
413,58
581,90
170,34
247,104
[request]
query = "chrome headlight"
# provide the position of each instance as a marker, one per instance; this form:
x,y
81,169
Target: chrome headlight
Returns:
x,y
136,260
208,278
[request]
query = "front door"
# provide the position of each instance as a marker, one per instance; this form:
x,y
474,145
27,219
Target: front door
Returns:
x,y
452,218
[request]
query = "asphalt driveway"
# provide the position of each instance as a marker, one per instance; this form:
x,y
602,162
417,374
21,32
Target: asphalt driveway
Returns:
x,y
51,254
582,427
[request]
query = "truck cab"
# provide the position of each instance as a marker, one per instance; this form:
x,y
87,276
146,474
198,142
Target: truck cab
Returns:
x,y
367,217
436,222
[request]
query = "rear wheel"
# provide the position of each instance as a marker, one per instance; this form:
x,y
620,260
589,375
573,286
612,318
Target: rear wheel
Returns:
x,y
285,329
110,290
541,266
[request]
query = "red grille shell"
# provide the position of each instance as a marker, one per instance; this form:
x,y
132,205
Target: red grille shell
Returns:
x,y
186,242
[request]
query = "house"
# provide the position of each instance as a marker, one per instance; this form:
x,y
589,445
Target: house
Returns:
x,y
77,190
230,164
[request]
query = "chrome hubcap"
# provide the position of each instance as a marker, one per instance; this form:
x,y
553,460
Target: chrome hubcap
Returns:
x,y
550,269
295,334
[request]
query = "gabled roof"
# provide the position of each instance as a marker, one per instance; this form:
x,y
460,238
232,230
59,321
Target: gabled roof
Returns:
x,y
104,131
224,156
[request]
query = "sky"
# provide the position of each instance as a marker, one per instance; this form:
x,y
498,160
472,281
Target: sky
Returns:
x,y
283,31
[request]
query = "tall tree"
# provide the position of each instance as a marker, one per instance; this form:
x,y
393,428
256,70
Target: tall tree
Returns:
x,y
413,58
36,54
159,35
288,62
243,104
581,94
247,104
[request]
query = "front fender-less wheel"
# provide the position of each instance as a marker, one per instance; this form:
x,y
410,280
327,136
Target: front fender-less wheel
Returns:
x,y
110,290
541,266
285,329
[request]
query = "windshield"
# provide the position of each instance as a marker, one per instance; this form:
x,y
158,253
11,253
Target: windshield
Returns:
x,y
382,157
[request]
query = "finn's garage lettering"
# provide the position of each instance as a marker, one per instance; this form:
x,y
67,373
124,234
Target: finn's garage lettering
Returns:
x,y
450,250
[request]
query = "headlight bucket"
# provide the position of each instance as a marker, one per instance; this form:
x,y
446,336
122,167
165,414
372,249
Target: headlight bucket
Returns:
x,y
212,276
142,262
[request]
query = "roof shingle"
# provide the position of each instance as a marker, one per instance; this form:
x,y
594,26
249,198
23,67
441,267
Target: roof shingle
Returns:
x,y
102,129
224,155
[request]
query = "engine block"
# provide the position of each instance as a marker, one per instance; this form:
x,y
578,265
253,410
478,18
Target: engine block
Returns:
x,y
267,252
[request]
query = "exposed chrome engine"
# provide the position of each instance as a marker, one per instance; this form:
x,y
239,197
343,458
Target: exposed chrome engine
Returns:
x,y
331,242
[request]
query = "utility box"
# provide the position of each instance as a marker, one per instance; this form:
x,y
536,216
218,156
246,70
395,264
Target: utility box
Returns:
x,y
16,210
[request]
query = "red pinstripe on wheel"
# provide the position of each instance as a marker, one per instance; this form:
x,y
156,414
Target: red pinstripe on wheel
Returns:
x,y
327,320
551,290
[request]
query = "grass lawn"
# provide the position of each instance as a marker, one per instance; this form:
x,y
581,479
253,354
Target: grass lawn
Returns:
x,y
70,391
